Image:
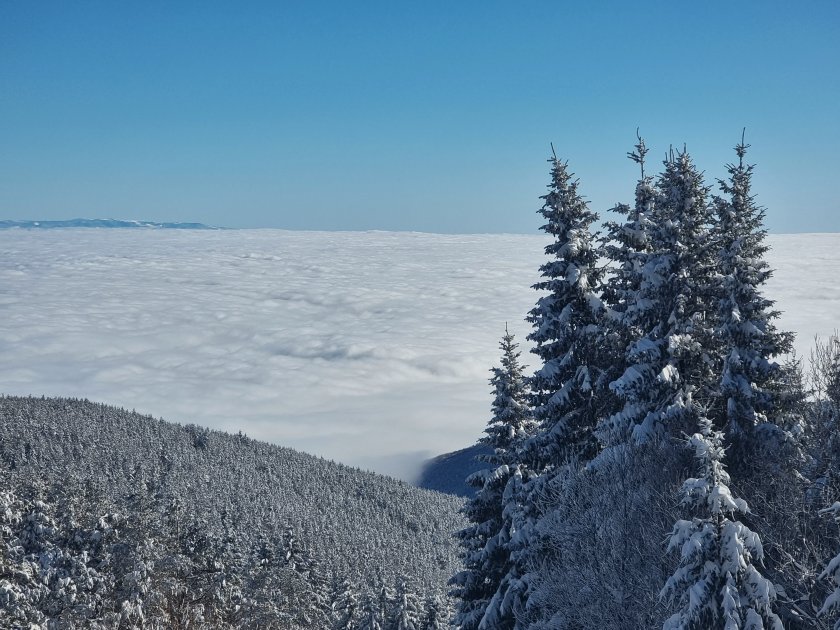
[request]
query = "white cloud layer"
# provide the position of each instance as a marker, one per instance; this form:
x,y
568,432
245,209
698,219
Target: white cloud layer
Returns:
x,y
370,348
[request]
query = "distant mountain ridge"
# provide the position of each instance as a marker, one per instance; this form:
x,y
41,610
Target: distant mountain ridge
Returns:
x,y
103,223
448,472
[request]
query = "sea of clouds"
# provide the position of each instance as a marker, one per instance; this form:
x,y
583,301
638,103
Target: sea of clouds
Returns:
x,y
370,348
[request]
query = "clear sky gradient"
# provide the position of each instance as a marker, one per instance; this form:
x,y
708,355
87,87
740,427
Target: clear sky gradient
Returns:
x,y
430,116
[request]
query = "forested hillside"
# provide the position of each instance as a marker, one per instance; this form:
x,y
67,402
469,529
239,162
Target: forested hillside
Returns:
x,y
112,516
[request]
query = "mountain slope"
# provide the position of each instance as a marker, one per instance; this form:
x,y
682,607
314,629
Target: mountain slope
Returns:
x,y
448,472
360,526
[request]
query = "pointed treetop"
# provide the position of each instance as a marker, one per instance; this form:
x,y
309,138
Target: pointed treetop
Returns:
x,y
638,156
741,148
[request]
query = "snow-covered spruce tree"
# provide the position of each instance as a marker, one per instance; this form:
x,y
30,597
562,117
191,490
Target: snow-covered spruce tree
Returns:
x,y
823,422
671,365
566,328
407,612
758,405
437,614
825,370
485,542
569,387
717,584
751,381
386,596
624,244
345,606
512,422
372,617
831,606
659,335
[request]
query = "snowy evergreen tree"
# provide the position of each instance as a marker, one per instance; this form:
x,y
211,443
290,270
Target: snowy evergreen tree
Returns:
x,y
568,387
822,437
751,381
759,403
718,584
825,370
671,363
372,617
345,607
512,422
509,601
831,606
406,613
626,243
485,541
566,331
294,552
437,614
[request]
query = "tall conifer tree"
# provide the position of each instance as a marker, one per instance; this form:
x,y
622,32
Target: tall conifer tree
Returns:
x,y
568,385
626,245
670,365
485,542
751,381
566,328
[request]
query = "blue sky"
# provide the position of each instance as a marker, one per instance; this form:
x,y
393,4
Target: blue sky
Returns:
x,y
430,116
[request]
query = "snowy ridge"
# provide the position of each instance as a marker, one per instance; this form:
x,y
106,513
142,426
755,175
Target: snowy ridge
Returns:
x,y
448,472
102,223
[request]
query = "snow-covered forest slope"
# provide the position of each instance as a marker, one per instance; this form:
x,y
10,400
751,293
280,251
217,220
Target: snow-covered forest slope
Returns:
x,y
178,484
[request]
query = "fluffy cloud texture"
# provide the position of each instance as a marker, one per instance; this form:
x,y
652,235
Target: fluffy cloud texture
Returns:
x,y
370,348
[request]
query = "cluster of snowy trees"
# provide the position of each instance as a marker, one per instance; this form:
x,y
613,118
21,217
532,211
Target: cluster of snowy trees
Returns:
x,y
110,519
668,464
61,570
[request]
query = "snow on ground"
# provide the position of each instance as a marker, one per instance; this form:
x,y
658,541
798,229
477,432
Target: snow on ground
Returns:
x,y
370,348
